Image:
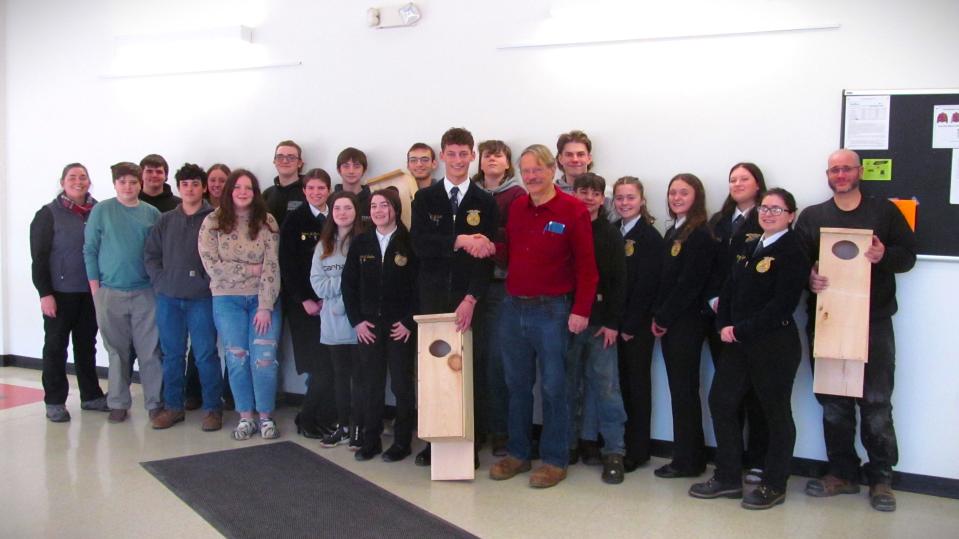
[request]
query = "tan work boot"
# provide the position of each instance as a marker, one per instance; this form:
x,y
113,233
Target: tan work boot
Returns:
x,y
881,497
547,476
830,485
213,420
508,467
167,418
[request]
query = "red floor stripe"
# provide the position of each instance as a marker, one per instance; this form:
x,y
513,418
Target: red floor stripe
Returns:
x,y
11,395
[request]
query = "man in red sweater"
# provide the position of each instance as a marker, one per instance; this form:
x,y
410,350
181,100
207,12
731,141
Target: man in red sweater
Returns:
x,y
550,289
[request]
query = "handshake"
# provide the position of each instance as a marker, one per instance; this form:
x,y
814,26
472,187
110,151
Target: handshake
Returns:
x,y
477,245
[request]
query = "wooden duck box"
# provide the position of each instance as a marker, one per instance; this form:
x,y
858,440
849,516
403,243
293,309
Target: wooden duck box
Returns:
x,y
841,346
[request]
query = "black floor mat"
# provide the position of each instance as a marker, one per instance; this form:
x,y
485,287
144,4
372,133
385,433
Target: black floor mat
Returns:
x,y
285,490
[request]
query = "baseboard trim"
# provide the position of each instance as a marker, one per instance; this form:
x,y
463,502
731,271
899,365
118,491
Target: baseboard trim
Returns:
x,y
943,487
907,482
13,360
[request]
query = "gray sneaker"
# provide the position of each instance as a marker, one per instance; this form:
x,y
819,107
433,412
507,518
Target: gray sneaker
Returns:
x,y
95,405
57,413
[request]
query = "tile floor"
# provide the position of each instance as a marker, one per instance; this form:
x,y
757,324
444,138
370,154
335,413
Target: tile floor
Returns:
x,y
83,479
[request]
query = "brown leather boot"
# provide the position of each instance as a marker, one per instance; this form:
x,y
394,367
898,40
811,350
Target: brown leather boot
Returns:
x,y
507,468
167,418
547,476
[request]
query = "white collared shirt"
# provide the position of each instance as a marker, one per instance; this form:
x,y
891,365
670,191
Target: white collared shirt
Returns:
x,y
448,185
463,188
679,222
628,225
384,241
317,211
766,242
738,212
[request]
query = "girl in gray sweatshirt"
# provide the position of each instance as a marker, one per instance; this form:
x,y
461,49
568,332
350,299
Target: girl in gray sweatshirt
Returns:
x,y
335,329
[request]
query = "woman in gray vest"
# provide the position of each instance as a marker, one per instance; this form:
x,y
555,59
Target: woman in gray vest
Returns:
x,y
56,245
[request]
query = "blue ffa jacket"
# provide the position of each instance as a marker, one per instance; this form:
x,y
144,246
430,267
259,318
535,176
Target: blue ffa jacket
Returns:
x,y
447,276
763,287
377,287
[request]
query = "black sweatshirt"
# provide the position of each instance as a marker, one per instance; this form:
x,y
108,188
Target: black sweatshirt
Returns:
x,y
609,249
886,222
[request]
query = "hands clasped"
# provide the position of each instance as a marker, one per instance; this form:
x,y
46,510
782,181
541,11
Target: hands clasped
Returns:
x,y
477,245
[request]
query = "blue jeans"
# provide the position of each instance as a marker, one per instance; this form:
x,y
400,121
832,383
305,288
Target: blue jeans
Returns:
x,y
175,319
250,358
597,369
530,330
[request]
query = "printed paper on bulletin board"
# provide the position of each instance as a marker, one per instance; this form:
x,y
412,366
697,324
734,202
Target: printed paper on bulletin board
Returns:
x,y
877,169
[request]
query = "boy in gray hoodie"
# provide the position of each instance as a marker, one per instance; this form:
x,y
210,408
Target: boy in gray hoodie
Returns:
x,y
184,303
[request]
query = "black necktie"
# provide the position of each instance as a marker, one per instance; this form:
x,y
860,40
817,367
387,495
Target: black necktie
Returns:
x,y
759,247
454,200
737,224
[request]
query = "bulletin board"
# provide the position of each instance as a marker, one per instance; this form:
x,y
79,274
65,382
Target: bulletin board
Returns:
x,y
909,143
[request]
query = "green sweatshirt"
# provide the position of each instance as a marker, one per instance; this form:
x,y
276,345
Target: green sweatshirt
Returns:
x,y
113,244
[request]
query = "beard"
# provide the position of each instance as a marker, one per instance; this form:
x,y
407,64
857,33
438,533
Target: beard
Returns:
x,y
852,186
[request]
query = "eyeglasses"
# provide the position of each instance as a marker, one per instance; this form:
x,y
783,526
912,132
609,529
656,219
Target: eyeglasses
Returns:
x,y
284,158
420,160
844,170
773,210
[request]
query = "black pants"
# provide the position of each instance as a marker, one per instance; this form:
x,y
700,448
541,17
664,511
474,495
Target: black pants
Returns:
x,y
481,350
875,411
76,316
635,361
682,350
313,358
346,373
768,366
375,359
750,411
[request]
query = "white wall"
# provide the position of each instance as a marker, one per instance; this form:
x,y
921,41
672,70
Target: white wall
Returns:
x,y
652,108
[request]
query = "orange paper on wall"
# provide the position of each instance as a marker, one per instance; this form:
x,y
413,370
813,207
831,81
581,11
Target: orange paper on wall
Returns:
x,y
908,208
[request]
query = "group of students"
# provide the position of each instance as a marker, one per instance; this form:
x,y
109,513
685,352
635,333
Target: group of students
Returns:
x,y
210,268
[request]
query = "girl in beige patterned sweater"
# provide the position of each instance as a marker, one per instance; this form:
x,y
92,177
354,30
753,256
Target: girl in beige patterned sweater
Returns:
x,y
238,245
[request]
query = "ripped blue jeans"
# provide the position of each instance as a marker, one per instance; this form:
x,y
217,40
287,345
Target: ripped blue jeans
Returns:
x,y
592,385
251,359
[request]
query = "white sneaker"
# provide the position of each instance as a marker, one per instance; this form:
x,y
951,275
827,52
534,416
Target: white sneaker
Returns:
x,y
268,428
244,429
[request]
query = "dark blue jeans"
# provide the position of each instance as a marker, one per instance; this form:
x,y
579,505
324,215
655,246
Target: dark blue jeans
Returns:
x,y
176,318
534,333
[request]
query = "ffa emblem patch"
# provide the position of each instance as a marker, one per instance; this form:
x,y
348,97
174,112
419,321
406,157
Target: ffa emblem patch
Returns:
x,y
677,247
630,247
473,217
763,265
399,260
